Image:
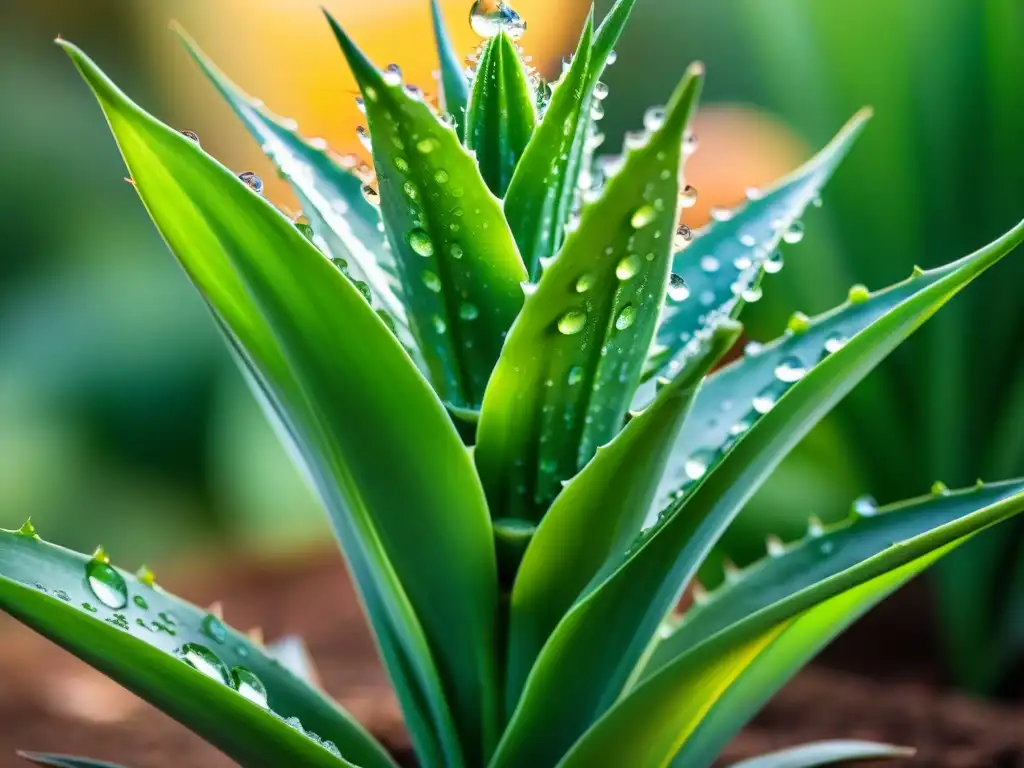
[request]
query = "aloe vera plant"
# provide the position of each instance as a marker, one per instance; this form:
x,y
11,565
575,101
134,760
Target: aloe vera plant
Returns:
x,y
494,357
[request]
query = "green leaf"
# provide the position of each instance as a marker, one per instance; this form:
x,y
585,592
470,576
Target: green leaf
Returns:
x,y
825,753
608,34
540,196
140,636
722,266
317,354
502,112
64,761
591,518
330,195
460,270
612,626
571,363
454,85
647,712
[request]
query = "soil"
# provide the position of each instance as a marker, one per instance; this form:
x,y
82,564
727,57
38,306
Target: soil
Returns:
x,y
886,689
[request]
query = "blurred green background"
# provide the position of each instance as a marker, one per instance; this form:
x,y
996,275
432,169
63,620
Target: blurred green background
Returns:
x,y
123,419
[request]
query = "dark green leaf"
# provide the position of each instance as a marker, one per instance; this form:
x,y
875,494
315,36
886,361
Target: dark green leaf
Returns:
x,y
612,626
141,637
317,354
723,265
502,112
825,753
598,512
571,363
460,270
64,761
454,84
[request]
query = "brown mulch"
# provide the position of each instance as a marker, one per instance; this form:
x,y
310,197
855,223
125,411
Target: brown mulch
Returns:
x,y
51,702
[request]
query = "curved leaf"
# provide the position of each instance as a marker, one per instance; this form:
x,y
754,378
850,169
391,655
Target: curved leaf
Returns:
x,y
825,753
330,195
141,637
502,112
612,627
454,84
64,761
571,363
648,712
726,258
598,512
540,196
318,353
457,260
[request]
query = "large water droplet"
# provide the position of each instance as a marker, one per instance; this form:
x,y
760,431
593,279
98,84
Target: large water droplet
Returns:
x,y
677,288
421,243
794,233
249,685
572,322
626,317
489,17
105,582
790,369
774,263
627,267
253,181
214,628
865,506
643,216
206,661
392,75
683,238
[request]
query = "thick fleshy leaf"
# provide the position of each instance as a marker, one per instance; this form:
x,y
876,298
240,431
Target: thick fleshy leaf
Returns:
x,y
317,353
502,112
65,761
598,512
454,84
723,264
825,753
571,363
540,197
612,627
460,270
329,193
179,658
647,712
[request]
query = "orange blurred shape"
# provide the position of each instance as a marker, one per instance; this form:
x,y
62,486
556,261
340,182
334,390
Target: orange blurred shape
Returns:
x,y
283,52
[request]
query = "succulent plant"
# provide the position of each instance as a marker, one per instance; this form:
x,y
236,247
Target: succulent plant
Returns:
x,y
494,356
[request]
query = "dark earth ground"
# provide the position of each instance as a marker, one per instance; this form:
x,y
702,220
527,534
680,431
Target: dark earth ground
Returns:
x,y
875,683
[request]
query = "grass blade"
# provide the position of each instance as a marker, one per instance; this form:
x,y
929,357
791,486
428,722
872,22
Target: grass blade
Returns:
x,y
64,761
825,753
454,84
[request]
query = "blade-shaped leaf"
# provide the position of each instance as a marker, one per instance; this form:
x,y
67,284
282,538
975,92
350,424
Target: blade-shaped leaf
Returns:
x,y
611,628
586,329
725,259
318,353
181,659
460,270
541,194
598,512
502,112
65,761
825,753
647,712
453,82
330,194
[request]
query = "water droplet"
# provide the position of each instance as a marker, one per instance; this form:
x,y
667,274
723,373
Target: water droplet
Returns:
x,y
683,238
677,288
410,190
752,294
575,375
858,294
585,283
392,75
627,267
690,143
249,685
140,601
774,263
709,264
747,240
764,400
252,180
697,465
794,233
439,324
835,342
643,216
191,135
60,594
432,281
939,488
371,195
489,17
688,196
864,506
572,322
441,176
654,118
105,582
774,547
626,317
790,369
600,91
89,607
798,323
214,628
456,251
204,660
468,311
420,242
426,146
612,58
364,137
548,466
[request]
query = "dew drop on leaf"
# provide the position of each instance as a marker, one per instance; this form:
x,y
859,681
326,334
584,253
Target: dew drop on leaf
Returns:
x,y
688,196
626,317
627,267
709,264
865,506
489,17
468,311
697,465
371,195
584,283
764,400
426,146
790,369
249,685
572,322
432,281
105,582
214,628
773,264
858,294
204,660
140,601
253,181
794,233
834,343
456,251
798,323
420,242
643,216
677,288
575,375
